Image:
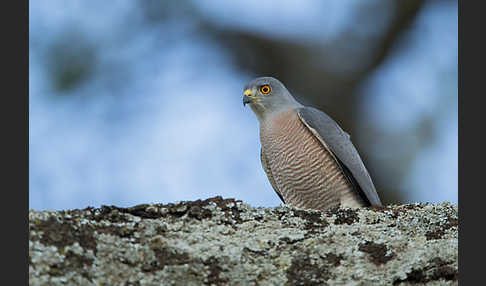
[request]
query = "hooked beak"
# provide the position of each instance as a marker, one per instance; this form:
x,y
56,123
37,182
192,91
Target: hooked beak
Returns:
x,y
247,97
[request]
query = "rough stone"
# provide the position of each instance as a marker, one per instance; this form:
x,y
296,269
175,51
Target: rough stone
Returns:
x,y
226,242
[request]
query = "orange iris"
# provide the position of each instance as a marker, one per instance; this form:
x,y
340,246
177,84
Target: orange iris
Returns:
x,y
265,89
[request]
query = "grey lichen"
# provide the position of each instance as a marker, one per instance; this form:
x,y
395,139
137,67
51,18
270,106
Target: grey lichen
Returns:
x,y
226,242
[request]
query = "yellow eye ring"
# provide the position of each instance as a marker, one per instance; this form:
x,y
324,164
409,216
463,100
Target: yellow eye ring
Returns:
x,y
265,89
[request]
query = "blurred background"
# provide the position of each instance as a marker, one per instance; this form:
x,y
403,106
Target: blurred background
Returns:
x,y
141,101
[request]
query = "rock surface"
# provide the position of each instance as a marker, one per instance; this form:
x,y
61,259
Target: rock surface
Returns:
x,y
226,242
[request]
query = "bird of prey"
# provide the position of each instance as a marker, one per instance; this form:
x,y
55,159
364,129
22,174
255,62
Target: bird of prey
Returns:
x,y
309,160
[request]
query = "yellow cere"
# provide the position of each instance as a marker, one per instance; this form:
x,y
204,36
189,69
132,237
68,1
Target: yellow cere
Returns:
x,y
247,92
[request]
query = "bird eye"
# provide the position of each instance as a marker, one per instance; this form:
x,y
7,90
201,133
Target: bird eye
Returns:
x,y
265,89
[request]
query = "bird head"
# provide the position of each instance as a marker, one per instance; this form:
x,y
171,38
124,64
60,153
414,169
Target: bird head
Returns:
x,y
267,96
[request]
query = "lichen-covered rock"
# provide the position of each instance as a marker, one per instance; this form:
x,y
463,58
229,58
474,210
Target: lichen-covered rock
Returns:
x,y
226,242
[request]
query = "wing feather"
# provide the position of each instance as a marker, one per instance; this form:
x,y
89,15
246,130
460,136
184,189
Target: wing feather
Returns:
x,y
340,146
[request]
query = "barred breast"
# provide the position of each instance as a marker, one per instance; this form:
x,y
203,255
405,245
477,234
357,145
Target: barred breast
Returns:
x,y
306,174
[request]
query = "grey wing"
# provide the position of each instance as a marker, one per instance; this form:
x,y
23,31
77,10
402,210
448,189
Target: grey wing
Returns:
x,y
269,174
340,145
